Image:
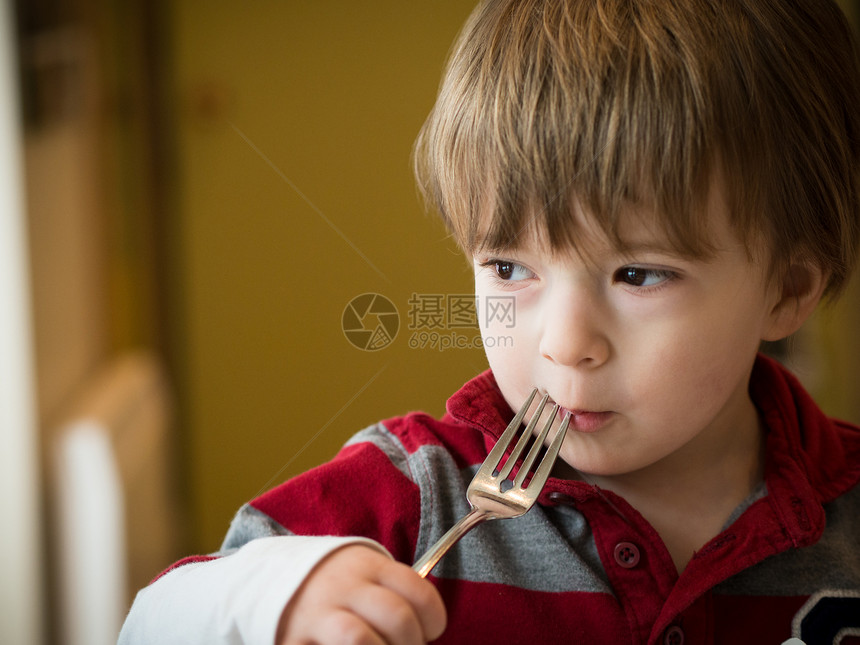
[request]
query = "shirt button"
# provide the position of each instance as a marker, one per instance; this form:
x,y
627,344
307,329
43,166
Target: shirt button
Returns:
x,y
674,636
562,499
627,554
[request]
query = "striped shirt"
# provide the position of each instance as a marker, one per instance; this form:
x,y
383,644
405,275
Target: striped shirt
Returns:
x,y
583,566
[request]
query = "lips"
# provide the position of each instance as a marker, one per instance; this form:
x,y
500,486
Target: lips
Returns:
x,y
586,421
581,419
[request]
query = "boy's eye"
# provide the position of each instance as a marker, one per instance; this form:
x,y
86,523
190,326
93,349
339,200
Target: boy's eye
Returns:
x,y
641,277
510,271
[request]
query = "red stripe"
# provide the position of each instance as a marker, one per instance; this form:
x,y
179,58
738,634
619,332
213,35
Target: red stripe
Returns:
x,y
334,499
482,612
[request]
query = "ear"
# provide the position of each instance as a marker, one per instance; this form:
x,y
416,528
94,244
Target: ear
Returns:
x,y
797,293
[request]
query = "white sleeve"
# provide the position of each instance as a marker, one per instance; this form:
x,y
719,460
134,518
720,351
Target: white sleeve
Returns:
x,y
237,599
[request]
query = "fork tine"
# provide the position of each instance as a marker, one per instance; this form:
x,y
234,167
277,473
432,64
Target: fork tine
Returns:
x,y
536,448
523,441
548,460
498,451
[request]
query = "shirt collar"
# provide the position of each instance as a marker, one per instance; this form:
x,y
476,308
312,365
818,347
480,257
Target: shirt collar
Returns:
x,y
480,404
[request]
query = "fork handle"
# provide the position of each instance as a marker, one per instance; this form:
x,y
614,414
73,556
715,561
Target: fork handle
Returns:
x,y
469,521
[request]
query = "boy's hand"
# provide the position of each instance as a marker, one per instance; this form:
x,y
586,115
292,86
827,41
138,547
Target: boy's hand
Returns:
x,y
359,596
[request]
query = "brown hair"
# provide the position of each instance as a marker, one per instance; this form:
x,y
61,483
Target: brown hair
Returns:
x,y
609,103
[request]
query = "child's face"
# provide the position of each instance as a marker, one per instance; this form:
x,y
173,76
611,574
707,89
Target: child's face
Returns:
x,y
654,348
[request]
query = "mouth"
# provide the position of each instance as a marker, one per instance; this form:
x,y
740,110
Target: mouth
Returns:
x,y
587,421
581,420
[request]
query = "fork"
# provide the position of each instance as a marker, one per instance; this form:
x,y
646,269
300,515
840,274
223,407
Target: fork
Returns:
x,y
491,494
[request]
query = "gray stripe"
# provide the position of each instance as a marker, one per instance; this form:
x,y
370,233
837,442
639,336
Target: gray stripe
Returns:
x,y
548,549
758,493
831,563
249,524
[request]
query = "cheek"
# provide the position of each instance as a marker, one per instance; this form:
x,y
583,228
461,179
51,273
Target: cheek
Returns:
x,y
512,377
504,328
723,328
696,373
506,355
509,351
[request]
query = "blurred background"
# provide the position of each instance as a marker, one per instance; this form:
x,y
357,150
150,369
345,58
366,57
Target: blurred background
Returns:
x,y
194,197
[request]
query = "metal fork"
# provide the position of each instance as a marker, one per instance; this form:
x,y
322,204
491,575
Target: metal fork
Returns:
x,y
491,494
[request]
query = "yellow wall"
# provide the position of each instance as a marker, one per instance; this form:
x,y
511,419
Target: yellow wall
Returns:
x,y
295,122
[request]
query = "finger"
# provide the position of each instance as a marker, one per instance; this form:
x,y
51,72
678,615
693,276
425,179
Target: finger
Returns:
x,y
390,614
343,627
421,595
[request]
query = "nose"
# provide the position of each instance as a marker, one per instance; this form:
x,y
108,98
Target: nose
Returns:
x,y
574,331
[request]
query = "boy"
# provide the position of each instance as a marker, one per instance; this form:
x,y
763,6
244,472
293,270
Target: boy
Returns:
x,y
660,186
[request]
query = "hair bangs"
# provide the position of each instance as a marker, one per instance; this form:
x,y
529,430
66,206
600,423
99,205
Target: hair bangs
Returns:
x,y
522,132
